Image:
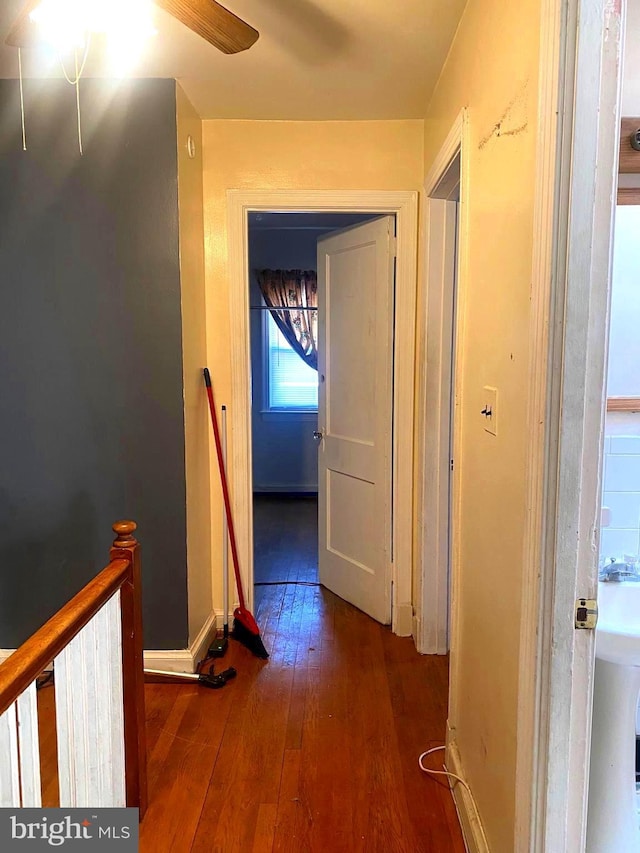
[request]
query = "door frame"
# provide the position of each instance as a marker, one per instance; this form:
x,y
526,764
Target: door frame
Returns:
x,y
404,205
445,245
577,165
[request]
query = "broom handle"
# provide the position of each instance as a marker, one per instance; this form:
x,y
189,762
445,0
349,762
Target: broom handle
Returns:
x,y
225,487
225,534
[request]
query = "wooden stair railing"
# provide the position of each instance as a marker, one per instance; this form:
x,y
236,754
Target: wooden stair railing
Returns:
x,y
95,642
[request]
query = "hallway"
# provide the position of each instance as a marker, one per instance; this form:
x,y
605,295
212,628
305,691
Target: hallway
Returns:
x,y
315,750
285,538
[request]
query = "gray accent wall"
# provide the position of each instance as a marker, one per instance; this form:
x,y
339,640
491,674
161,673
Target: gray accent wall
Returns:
x,y
91,403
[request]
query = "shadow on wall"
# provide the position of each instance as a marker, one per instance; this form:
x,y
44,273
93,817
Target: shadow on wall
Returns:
x,y
306,30
61,558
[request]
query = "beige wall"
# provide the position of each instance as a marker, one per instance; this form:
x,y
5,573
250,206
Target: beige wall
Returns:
x,y
196,415
492,70
382,155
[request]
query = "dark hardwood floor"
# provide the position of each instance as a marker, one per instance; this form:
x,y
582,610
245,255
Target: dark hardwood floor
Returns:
x,y
313,751
285,538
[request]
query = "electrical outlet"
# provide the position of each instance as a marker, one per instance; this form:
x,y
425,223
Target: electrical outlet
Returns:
x,y
489,409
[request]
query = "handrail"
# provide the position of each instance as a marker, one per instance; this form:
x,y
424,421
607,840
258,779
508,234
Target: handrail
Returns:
x,y
23,667
28,661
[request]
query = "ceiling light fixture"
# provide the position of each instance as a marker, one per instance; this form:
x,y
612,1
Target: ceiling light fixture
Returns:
x,y
68,26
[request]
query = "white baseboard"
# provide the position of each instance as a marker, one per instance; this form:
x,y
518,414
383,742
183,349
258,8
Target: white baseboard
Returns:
x,y
475,840
427,641
200,645
403,620
220,615
416,629
171,660
183,660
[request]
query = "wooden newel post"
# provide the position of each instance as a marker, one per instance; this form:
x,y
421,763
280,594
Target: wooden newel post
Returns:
x,y
126,545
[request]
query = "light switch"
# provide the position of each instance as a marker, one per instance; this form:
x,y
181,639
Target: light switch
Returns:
x,y
489,409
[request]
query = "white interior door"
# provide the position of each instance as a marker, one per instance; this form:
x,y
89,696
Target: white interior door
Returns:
x,y
355,414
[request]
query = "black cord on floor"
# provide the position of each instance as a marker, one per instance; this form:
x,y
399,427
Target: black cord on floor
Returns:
x,y
286,583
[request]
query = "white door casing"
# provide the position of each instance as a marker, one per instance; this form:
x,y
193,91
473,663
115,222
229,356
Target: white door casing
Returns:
x,y
437,419
438,349
355,408
576,164
403,204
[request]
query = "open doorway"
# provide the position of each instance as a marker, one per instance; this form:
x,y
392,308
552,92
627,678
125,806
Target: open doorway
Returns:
x,y
284,412
402,206
438,440
613,813
438,396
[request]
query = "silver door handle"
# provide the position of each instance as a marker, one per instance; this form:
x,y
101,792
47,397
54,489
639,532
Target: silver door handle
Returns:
x,y
318,434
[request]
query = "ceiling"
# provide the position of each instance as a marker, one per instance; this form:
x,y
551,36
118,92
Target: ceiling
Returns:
x,y
314,60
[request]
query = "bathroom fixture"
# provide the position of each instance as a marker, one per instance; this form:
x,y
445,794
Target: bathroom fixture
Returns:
x,y
618,572
612,824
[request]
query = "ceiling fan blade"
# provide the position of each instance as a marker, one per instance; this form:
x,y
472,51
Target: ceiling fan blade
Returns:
x,y
212,22
24,32
208,19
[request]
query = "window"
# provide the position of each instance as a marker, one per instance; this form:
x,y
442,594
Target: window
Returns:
x,y
291,384
623,380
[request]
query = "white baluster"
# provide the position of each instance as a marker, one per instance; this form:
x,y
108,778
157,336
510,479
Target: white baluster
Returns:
x,y
89,713
114,732
29,748
9,769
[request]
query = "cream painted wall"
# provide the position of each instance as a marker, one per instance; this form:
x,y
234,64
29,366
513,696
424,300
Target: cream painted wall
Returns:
x,y
196,413
382,155
492,70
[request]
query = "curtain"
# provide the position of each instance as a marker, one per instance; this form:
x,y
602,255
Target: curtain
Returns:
x,y
297,289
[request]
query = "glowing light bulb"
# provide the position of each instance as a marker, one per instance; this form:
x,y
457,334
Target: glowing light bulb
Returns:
x,y
128,30
66,24
62,23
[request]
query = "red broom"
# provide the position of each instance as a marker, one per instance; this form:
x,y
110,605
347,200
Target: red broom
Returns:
x,y
245,628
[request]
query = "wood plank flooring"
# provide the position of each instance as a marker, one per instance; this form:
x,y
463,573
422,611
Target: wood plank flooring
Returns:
x,y
285,537
314,750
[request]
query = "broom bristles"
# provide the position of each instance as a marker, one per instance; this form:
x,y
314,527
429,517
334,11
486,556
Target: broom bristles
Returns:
x,y
252,641
241,614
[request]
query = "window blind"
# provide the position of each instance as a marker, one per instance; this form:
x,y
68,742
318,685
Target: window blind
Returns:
x,y
292,383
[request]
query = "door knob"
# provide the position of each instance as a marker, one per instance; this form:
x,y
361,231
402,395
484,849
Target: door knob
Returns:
x,y
318,434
